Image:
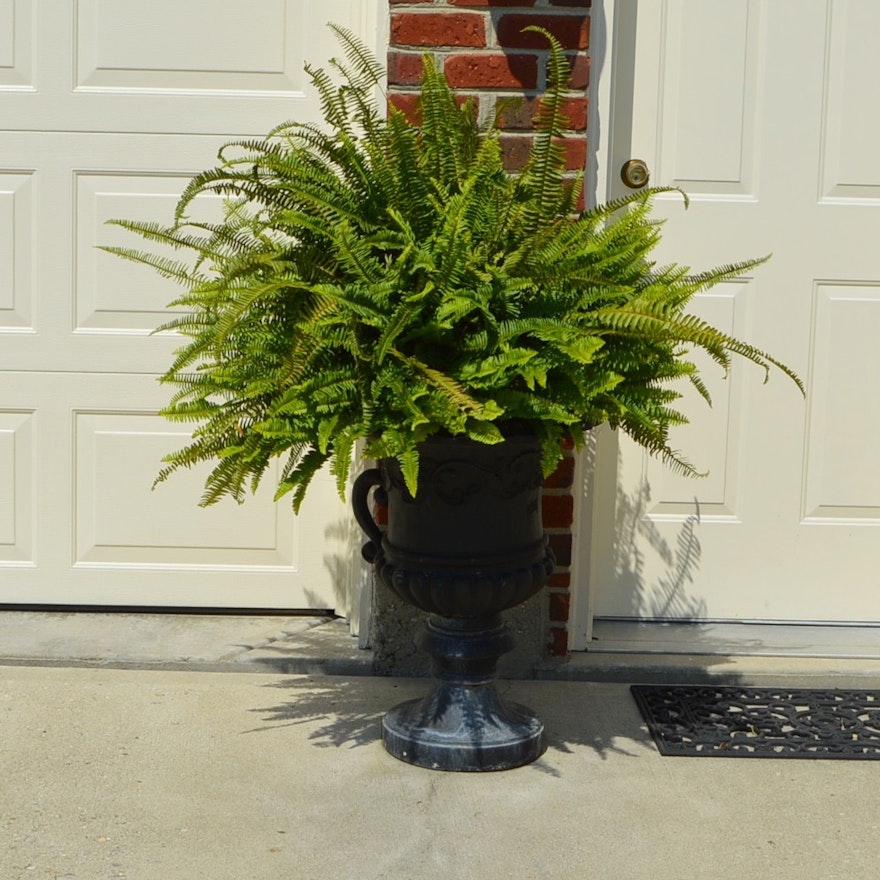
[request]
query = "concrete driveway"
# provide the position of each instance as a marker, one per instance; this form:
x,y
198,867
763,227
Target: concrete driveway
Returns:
x,y
150,774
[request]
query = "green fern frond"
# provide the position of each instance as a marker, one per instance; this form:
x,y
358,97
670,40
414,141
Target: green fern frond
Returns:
x,y
376,278
543,175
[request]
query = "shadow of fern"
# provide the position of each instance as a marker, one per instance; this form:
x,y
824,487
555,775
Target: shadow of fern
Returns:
x,y
347,713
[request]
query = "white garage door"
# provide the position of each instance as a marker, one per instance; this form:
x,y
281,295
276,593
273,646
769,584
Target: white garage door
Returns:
x,y
107,107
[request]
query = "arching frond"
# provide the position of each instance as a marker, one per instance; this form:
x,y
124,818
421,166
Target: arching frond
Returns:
x,y
379,278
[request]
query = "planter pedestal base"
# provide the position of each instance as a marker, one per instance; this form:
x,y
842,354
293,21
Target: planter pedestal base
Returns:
x,y
463,724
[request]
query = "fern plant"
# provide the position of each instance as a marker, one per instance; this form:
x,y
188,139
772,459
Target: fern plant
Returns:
x,y
379,279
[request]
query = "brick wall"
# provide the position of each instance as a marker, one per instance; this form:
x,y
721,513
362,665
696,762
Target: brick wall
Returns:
x,y
558,510
480,47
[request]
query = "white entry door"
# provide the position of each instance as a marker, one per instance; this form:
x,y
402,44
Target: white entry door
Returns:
x,y
764,111
107,108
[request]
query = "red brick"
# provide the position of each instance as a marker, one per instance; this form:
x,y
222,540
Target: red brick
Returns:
x,y
560,604
580,71
561,546
484,3
521,115
437,29
404,68
515,151
559,580
474,71
576,110
575,153
562,477
557,641
410,104
572,31
556,511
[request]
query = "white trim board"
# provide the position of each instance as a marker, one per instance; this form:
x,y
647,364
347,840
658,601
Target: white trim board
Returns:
x,y
735,639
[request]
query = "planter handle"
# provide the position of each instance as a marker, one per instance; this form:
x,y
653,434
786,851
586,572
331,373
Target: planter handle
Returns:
x,y
360,494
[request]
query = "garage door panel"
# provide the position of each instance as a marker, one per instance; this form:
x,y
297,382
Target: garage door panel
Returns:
x,y
92,311
17,39
215,45
16,251
112,294
94,532
19,484
122,65
117,455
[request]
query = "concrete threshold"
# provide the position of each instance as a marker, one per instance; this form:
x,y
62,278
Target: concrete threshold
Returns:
x,y
747,671
297,644
321,645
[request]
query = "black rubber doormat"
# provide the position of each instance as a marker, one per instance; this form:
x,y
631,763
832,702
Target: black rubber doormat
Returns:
x,y
738,722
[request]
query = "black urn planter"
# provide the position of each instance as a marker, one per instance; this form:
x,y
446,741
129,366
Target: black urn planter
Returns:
x,y
469,545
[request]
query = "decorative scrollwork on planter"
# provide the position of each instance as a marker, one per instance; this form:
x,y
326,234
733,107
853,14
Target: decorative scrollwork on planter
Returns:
x,y
453,471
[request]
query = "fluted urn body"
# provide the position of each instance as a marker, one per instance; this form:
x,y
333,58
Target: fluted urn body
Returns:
x,y
468,546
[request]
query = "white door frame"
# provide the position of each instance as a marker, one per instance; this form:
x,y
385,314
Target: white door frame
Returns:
x,y
358,610
595,469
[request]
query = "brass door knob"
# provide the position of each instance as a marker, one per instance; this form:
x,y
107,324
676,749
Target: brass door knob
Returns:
x,y
635,173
